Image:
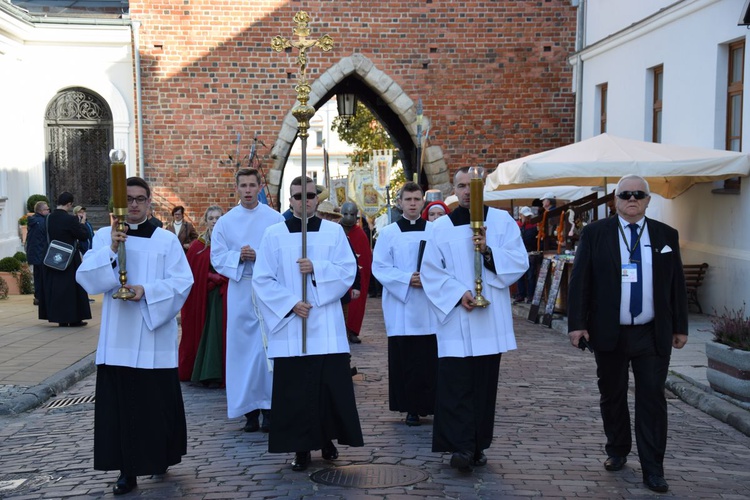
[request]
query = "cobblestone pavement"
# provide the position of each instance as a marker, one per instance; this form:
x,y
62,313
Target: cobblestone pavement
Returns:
x,y
548,442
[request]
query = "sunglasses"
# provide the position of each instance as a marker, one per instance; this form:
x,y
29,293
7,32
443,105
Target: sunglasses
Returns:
x,y
638,195
310,196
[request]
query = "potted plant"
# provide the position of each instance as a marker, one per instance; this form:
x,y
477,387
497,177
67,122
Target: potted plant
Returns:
x,y
25,279
31,202
23,228
729,354
10,269
3,288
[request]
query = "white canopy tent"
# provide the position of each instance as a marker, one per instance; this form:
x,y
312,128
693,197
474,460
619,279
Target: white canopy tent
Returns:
x,y
495,198
670,170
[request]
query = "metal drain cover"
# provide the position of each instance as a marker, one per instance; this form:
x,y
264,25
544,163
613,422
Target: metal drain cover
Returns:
x,y
65,402
16,483
369,476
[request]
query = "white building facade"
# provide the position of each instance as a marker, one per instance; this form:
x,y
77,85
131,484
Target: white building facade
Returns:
x,y
39,58
659,70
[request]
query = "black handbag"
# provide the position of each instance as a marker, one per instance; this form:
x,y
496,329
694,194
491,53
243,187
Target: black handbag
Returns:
x,y
59,254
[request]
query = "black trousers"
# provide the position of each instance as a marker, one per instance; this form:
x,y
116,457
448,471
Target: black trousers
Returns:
x,y
465,403
412,373
635,347
38,283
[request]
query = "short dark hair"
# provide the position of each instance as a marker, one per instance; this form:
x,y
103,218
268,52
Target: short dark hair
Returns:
x,y
178,208
65,198
137,181
246,171
297,181
462,170
410,187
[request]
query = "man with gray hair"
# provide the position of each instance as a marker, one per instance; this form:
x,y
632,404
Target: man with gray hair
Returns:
x,y
627,300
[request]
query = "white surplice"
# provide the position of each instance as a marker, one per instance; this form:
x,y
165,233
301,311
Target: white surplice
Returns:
x,y
406,310
140,334
278,285
248,378
448,272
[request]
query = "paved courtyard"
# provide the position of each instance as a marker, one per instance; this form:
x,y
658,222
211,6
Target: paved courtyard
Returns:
x,y
548,442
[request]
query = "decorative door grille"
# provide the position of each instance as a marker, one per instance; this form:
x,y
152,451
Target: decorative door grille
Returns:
x,y
79,138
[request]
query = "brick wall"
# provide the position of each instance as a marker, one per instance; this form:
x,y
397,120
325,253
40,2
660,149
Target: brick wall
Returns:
x,y
492,75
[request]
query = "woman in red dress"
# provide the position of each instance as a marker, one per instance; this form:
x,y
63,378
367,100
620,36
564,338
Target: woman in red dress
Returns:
x,y
201,352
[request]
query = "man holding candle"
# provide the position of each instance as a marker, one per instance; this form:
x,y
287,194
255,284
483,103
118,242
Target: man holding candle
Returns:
x,y
234,241
470,339
139,420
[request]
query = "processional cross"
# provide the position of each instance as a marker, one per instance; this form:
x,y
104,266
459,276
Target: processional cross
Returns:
x,y
303,112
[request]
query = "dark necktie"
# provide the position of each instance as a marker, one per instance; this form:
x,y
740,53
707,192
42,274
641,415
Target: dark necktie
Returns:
x,y
636,289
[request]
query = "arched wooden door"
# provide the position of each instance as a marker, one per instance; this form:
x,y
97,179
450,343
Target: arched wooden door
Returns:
x,y
79,137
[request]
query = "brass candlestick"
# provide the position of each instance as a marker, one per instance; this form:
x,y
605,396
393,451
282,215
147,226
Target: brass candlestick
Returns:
x,y
120,210
476,208
303,112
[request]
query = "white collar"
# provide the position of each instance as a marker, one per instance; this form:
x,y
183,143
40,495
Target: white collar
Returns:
x,y
134,227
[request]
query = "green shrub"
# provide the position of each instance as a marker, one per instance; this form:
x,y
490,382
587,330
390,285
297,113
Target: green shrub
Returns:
x,y
26,280
33,199
3,288
10,265
20,257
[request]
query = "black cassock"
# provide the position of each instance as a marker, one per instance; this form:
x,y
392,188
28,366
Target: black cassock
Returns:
x,y
63,300
139,420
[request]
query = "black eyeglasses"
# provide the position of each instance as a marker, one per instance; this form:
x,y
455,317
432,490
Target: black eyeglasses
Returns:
x,y
310,196
638,195
139,200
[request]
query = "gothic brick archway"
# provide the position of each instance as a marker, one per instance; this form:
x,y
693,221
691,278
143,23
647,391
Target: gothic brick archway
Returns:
x,y
402,106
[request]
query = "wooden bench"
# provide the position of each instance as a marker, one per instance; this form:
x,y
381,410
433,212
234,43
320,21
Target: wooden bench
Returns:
x,y
694,274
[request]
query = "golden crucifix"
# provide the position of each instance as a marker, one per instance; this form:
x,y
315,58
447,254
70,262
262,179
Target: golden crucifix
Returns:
x,y
303,112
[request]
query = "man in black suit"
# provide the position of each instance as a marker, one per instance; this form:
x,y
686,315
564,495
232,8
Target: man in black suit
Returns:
x,y
627,298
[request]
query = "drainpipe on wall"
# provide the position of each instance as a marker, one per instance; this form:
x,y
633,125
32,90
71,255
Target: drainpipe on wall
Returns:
x,y
580,43
138,96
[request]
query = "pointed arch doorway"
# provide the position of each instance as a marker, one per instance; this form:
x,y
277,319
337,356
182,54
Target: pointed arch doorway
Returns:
x,y
79,135
395,110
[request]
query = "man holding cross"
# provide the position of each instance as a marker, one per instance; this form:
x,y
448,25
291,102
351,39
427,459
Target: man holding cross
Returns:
x,y
313,393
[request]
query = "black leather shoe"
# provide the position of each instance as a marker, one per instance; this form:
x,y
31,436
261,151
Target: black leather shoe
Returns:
x,y
412,420
615,463
480,459
354,339
301,461
656,483
265,427
329,451
124,484
252,424
80,323
462,461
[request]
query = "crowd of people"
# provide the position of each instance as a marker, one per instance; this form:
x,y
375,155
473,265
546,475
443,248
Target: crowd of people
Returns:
x,y
272,322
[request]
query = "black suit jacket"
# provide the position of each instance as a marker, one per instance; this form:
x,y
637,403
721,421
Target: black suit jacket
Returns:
x,y
595,284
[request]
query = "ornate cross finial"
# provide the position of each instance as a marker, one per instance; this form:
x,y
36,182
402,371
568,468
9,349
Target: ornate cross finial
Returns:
x,y
302,112
279,43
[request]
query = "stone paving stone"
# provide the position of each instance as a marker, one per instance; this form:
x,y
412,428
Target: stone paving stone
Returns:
x,y
548,441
